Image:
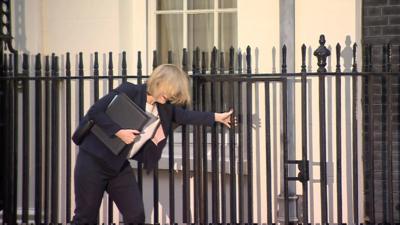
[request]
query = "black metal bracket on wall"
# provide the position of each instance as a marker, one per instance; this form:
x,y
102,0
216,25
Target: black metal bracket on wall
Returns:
x,y
303,175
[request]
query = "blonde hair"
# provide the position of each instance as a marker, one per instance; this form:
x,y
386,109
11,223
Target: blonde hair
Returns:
x,y
172,81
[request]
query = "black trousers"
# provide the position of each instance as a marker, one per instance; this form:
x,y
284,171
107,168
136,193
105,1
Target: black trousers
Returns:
x,y
92,178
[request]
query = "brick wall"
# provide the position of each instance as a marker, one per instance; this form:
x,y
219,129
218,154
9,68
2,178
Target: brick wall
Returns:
x,y
381,25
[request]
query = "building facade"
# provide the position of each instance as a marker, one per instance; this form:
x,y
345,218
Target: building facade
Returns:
x,y
101,26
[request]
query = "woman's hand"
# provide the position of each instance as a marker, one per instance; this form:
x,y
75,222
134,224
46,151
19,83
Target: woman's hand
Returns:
x,y
127,135
224,118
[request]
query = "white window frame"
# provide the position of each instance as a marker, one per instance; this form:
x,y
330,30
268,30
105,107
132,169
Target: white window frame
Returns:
x,y
152,23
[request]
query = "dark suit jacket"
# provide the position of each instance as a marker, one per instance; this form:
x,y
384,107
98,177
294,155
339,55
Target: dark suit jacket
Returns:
x,y
149,153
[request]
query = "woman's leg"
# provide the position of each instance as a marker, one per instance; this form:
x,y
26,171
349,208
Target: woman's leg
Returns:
x,y
124,190
90,184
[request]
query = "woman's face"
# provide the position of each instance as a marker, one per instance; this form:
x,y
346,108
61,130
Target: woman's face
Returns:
x,y
161,98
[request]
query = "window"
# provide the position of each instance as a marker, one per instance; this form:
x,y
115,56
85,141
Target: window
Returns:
x,y
195,23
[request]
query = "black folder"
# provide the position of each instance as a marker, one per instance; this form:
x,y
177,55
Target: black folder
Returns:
x,y
123,111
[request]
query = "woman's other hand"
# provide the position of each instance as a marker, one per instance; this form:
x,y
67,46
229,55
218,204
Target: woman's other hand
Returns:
x,y
127,135
224,118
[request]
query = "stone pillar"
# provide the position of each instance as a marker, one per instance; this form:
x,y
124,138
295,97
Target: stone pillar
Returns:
x,y
287,37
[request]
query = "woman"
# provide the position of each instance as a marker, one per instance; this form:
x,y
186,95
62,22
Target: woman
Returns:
x,y
98,169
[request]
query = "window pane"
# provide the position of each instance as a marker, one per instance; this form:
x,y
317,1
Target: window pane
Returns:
x,y
170,37
227,4
170,4
200,4
227,34
200,33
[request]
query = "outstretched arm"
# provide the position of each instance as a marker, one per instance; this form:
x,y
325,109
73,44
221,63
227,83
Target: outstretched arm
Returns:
x,y
184,116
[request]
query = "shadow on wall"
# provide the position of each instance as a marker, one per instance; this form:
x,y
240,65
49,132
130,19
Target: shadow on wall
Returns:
x,y
313,135
331,146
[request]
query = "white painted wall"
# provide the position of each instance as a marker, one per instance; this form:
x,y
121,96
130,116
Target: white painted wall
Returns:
x,y
258,26
340,22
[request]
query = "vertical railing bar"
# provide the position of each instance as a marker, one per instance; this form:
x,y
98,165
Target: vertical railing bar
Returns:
x,y
155,171
204,151
355,147
240,143
198,152
169,58
96,88
139,67
204,207
155,195
8,129
186,151
285,154
323,148
304,132
14,194
214,147
171,162
285,141
322,53
389,138
81,85
249,137
268,152
96,77
185,160
38,141
155,61
4,132
110,73
196,155
222,129
371,153
9,143
197,138
232,141
110,63
354,57
47,141
124,67
25,138
68,135
203,138
140,164
11,163
338,136
111,79
139,81
54,141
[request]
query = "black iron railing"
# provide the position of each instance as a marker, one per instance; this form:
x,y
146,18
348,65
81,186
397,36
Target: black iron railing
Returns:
x,y
217,88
